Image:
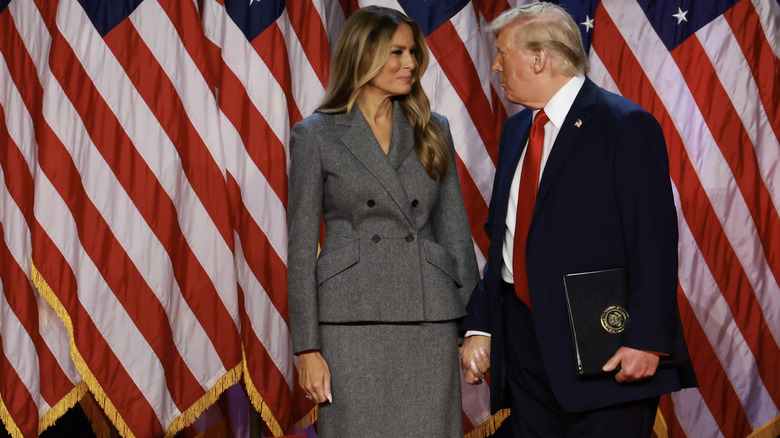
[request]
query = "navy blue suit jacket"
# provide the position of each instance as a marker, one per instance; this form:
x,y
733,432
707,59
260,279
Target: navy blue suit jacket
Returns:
x,y
604,201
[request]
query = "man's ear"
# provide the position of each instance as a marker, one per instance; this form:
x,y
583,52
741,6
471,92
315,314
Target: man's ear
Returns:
x,y
540,60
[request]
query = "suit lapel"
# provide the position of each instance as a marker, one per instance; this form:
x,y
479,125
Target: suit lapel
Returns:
x,y
514,145
402,140
568,138
359,139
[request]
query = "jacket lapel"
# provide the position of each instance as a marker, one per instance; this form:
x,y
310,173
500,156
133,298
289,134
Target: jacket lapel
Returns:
x,y
402,140
359,139
514,145
568,138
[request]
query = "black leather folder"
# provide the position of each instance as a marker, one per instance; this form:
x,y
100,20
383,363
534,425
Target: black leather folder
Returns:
x,y
597,303
598,316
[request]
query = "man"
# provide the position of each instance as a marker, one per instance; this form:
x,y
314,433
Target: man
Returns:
x,y
582,185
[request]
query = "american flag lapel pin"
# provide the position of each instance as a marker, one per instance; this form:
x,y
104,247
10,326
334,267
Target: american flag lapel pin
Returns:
x,y
578,123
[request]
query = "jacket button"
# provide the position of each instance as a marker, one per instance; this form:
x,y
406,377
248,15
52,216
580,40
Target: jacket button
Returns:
x,y
371,203
410,238
376,238
414,203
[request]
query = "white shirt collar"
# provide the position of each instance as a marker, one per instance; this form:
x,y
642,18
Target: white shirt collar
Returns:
x,y
560,104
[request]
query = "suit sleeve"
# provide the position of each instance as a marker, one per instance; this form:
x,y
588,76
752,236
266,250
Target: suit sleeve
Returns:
x,y
303,221
479,313
649,221
451,223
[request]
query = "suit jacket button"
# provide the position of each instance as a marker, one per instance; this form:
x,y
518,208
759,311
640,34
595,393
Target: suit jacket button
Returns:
x,y
376,238
410,238
371,203
414,203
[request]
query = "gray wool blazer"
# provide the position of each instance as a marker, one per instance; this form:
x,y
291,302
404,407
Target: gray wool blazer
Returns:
x,y
397,245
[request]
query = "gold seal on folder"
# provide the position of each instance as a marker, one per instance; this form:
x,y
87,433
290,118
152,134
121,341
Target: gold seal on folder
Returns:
x,y
614,319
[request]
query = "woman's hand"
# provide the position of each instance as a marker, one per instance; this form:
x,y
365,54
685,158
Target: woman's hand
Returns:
x,y
315,376
475,358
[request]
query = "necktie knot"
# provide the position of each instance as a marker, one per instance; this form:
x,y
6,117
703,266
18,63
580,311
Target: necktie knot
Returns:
x,y
540,119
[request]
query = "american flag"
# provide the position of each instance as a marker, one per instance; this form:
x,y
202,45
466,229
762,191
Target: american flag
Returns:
x,y
272,69
130,230
144,159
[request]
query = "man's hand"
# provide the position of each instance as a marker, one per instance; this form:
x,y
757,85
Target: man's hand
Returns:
x,y
315,377
475,358
634,364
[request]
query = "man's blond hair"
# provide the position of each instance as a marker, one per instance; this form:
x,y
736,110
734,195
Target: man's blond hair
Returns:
x,y
546,26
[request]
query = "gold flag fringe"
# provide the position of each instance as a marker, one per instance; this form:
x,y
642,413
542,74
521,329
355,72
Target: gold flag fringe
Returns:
x,y
5,417
61,407
769,430
660,429
257,401
81,365
306,421
489,427
50,417
97,419
209,398
185,419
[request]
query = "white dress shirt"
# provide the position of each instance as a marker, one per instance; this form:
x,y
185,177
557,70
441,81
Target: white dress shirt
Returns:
x,y
556,109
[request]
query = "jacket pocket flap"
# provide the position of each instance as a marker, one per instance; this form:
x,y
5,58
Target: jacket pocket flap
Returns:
x,y
438,256
337,260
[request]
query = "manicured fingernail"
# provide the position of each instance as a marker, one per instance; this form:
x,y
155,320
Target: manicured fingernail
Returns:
x,y
474,367
330,398
482,351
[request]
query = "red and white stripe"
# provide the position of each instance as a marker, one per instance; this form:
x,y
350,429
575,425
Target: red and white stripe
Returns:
x,y
134,236
266,86
40,381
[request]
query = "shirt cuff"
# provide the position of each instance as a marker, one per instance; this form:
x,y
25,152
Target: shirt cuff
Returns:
x,y
477,332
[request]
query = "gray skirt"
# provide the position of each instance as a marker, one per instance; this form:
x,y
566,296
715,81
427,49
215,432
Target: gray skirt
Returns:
x,y
391,380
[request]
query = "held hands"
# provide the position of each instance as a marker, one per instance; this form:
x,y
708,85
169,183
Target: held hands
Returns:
x,y
634,364
315,377
475,358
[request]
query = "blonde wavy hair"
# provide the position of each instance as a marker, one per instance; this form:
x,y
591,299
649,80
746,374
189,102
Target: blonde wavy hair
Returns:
x,y
362,50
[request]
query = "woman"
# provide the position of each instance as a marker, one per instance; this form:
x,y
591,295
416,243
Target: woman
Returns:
x,y
374,316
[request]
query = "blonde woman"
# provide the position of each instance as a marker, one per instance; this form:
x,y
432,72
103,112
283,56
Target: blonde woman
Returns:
x,y
374,316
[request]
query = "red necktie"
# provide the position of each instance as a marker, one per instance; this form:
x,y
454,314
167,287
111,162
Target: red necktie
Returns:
x,y
526,198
